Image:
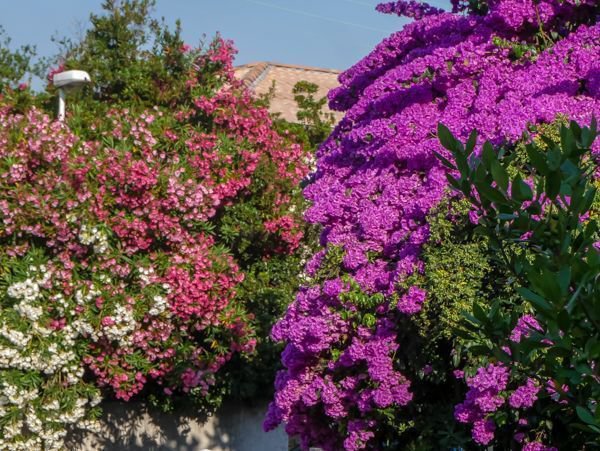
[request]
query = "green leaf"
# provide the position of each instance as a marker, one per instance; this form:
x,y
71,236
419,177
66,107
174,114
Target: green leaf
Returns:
x,y
369,320
480,173
564,279
588,200
586,416
447,163
567,140
500,175
488,155
521,191
446,138
461,163
553,183
588,135
479,313
575,129
564,320
534,298
554,159
491,194
537,160
471,142
534,208
454,183
507,216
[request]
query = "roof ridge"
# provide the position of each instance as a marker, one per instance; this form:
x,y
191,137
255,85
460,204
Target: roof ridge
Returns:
x,y
255,72
289,66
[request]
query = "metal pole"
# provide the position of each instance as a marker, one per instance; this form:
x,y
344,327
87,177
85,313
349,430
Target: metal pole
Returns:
x,y
61,105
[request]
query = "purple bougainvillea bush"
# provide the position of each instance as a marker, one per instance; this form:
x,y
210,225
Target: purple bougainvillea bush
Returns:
x,y
356,375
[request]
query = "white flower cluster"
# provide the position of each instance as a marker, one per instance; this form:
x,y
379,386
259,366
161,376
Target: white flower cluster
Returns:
x,y
29,291
104,278
93,236
34,427
59,302
303,277
31,312
29,419
145,275
123,326
85,298
310,160
160,305
17,338
84,328
46,357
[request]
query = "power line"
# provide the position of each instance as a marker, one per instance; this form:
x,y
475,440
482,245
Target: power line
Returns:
x,y
356,2
316,16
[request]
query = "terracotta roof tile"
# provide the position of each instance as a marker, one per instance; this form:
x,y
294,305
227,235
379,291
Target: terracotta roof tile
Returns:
x,y
259,77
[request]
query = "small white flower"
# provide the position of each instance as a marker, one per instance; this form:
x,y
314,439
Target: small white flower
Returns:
x,y
28,290
160,305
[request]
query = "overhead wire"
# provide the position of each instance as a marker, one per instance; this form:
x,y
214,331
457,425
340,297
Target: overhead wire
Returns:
x,y
357,2
316,16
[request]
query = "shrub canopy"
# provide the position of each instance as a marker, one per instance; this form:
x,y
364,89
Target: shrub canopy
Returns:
x,y
148,242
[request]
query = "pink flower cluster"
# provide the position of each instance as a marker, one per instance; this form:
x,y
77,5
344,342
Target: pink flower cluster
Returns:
x,y
123,222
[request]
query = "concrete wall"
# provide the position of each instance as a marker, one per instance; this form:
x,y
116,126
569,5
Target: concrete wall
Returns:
x,y
132,427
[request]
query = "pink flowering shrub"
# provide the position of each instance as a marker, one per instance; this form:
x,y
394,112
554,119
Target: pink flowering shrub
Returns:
x,y
373,300
113,276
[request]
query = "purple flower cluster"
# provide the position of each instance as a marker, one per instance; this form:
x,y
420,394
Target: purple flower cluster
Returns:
x,y
412,301
525,326
482,399
306,391
537,446
488,391
525,395
377,179
409,8
359,434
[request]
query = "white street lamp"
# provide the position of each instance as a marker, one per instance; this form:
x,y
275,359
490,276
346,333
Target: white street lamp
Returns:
x,y
68,81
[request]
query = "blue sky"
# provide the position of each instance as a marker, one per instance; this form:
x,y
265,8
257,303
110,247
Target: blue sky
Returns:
x,y
325,33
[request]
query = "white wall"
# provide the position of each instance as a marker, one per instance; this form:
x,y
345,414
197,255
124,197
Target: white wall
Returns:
x,y
132,427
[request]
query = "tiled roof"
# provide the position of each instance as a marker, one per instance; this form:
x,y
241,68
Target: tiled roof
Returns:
x,y
259,78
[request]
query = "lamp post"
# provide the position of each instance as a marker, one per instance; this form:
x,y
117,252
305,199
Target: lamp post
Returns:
x,y
68,81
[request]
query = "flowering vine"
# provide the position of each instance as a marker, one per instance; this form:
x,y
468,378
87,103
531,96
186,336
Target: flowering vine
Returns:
x,y
500,68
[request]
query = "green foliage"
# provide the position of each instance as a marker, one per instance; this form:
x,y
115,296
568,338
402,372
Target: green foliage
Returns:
x,y
131,57
541,225
134,60
332,262
452,288
14,64
315,124
518,50
16,67
270,283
